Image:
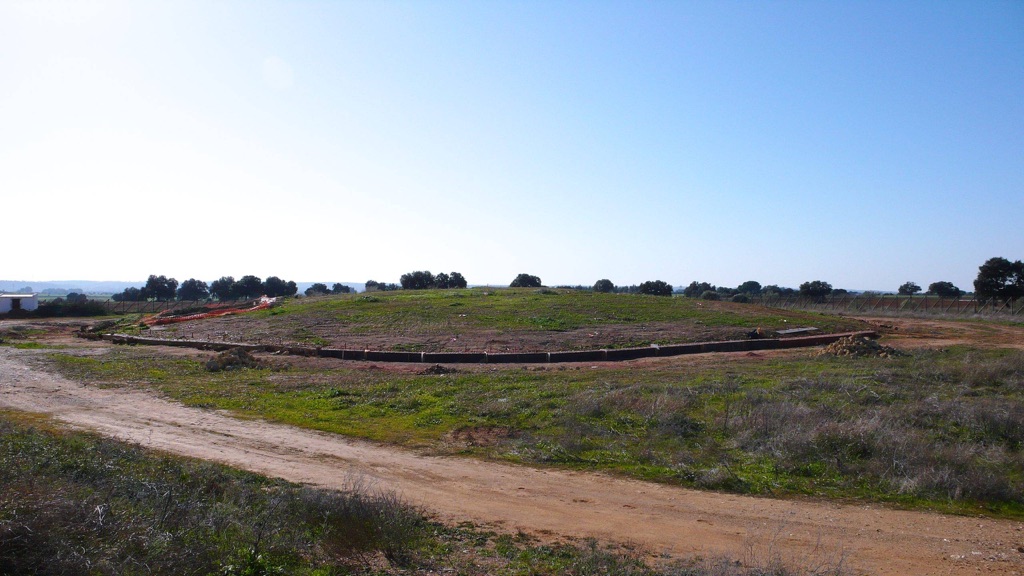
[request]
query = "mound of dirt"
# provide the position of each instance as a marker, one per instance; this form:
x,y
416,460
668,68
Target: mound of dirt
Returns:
x,y
233,359
860,347
438,369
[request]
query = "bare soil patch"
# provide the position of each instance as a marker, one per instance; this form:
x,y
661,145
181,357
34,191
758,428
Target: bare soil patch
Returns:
x,y
934,333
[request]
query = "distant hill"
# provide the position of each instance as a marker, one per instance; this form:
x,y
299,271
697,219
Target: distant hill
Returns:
x,y
63,287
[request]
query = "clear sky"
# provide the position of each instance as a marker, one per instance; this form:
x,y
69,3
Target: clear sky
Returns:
x,y
861,143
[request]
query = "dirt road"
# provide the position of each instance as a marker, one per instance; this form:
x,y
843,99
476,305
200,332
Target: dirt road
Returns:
x,y
663,519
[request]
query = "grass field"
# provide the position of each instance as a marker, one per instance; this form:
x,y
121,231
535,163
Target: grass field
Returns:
x,y
73,503
940,429
499,320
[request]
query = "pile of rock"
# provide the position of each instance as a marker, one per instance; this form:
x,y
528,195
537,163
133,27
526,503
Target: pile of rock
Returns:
x,y
860,347
233,359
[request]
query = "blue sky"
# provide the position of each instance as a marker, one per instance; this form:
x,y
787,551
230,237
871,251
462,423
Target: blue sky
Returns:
x,y
861,143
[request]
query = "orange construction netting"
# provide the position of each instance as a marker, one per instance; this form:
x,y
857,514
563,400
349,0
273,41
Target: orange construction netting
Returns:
x,y
160,319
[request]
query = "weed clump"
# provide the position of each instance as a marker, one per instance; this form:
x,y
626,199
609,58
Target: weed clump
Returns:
x,y
233,359
861,347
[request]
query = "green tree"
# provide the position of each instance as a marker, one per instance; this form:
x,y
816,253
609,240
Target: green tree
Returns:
x,y
275,287
318,289
604,285
696,289
526,281
944,289
656,288
159,288
442,280
908,289
815,290
130,294
340,288
1000,279
418,280
750,287
193,289
456,280
248,287
223,288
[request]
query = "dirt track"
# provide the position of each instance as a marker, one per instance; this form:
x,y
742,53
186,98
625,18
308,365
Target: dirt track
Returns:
x,y
663,519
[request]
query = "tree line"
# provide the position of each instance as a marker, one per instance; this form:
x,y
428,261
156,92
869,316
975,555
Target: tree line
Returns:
x,y
162,288
998,279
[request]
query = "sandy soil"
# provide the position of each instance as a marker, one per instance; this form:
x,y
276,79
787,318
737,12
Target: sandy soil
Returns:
x,y
663,520
927,333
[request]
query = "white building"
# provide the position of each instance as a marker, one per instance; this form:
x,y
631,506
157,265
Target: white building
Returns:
x,y
9,302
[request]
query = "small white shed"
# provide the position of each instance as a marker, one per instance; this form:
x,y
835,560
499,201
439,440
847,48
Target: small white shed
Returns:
x,y
10,302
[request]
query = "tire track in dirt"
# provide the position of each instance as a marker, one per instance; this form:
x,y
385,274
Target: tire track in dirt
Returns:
x,y
662,519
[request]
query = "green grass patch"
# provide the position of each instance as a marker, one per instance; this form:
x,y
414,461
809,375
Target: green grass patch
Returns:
x,y
75,503
534,310
940,429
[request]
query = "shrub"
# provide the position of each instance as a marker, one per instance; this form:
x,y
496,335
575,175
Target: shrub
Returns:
x,y
710,295
656,288
525,281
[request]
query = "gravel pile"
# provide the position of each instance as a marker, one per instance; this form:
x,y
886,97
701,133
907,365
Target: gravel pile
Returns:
x,y
860,347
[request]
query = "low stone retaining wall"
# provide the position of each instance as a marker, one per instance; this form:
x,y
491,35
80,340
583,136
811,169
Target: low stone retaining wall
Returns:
x,y
611,355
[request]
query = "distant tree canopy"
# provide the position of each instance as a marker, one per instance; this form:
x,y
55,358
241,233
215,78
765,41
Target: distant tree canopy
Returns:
x,y
604,285
193,289
76,298
815,290
423,280
340,288
775,289
274,287
159,288
373,286
221,289
227,288
418,280
526,281
1000,279
318,289
452,280
130,294
750,287
248,287
656,288
944,289
696,289
908,289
